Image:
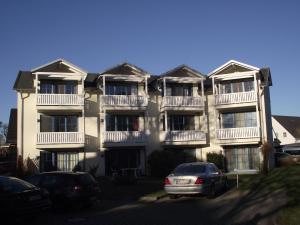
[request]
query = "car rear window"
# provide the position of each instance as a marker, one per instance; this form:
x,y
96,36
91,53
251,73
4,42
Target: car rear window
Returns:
x,y
189,169
15,185
86,179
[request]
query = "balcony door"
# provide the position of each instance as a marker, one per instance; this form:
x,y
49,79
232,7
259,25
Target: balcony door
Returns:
x,y
58,161
115,88
234,86
60,123
181,122
122,122
179,90
58,87
238,119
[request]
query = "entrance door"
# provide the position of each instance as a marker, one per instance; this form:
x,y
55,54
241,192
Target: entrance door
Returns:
x,y
116,159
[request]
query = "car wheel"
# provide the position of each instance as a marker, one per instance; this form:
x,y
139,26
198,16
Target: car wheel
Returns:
x,y
226,185
173,196
212,191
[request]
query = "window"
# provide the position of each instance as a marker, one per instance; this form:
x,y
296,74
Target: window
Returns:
x,y
122,122
242,157
63,161
237,86
284,134
239,119
58,87
59,123
181,122
179,90
121,89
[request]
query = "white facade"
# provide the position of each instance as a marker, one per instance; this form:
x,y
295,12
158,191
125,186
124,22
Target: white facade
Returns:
x,y
123,118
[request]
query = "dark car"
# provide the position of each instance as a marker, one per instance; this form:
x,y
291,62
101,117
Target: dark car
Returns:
x,y
67,188
20,199
195,178
285,159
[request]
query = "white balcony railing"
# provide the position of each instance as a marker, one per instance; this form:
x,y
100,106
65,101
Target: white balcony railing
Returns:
x,y
233,98
59,99
186,101
60,138
185,135
124,100
236,133
124,137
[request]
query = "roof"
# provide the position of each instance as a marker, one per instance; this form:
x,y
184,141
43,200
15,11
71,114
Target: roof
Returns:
x,y
237,66
57,62
180,70
91,80
24,81
124,68
290,123
12,127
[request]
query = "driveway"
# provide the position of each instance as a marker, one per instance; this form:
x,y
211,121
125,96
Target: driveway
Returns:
x,y
232,207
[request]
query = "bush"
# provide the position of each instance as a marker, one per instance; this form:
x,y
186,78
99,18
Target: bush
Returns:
x,y
161,163
217,158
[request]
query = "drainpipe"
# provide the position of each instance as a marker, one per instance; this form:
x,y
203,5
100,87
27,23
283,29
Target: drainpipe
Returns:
x,y
22,125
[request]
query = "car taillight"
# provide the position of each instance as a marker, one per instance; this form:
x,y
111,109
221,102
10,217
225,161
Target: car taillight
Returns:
x,y
167,181
199,181
77,188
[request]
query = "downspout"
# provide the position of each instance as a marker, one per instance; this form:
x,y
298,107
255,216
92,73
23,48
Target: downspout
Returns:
x,y
22,125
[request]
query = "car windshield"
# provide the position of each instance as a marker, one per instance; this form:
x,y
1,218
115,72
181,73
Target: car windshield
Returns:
x,y
15,185
86,179
189,169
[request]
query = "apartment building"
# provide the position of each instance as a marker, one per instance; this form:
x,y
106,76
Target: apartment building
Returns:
x,y
71,119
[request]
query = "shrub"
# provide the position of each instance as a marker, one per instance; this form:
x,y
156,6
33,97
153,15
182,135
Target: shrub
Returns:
x,y
217,158
161,163
266,150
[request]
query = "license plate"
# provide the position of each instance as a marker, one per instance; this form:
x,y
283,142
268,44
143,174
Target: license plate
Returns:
x,y
34,198
182,181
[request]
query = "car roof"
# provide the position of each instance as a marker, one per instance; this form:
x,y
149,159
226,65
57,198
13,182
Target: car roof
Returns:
x,y
196,163
63,173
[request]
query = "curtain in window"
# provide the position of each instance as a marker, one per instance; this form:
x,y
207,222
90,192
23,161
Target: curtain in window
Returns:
x,y
239,119
67,161
244,157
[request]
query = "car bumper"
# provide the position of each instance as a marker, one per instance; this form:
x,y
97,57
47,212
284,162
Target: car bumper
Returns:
x,y
185,190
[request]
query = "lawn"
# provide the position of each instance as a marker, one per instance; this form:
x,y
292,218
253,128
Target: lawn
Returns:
x,y
286,179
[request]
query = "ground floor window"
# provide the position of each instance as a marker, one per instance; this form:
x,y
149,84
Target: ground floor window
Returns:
x,y
58,161
242,157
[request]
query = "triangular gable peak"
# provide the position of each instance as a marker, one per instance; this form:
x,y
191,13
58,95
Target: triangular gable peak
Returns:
x,y
233,67
59,66
125,69
183,71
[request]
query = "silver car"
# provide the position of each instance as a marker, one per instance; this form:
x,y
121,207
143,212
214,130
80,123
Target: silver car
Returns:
x,y
195,178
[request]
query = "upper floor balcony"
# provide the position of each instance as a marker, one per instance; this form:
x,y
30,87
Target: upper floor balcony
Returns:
x,y
60,139
235,98
184,137
124,138
124,101
238,135
183,101
59,99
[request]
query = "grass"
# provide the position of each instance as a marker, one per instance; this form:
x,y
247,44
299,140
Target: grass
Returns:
x,y
284,178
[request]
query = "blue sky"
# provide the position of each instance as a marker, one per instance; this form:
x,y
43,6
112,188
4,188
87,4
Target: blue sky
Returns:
x,y
155,35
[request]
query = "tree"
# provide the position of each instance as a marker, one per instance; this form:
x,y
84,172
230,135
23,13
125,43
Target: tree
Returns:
x,y
3,132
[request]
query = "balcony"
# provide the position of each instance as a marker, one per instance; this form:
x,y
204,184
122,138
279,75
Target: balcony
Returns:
x,y
236,98
124,100
182,101
125,137
60,99
188,136
238,133
48,138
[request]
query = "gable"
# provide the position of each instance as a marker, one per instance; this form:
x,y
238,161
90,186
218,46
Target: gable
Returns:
x,y
232,69
183,71
125,69
233,66
290,123
55,67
